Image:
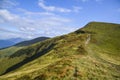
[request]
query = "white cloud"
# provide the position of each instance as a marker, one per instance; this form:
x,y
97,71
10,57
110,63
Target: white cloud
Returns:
x,y
26,12
34,24
28,25
77,9
52,8
7,4
6,15
6,34
41,3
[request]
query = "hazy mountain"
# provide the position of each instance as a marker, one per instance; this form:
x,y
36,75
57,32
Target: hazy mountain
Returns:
x,y
90,53
9,42
29,42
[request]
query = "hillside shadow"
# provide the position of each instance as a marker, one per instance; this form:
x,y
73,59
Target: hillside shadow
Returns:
x,y
29,59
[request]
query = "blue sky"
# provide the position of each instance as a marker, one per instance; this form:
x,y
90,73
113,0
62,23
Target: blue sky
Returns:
x,y
34,18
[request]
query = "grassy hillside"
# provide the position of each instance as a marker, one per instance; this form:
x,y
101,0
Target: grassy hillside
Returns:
x,y
105,39
7,58
10,50
91,53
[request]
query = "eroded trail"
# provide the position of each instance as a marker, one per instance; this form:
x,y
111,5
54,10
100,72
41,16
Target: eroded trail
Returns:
x,y
88,39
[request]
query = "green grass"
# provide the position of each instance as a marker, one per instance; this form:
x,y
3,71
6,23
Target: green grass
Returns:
x,y
9,51
98,60
106,36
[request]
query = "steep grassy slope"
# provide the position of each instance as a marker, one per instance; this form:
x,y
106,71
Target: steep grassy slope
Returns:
x,y
105,39
91,53
10,50
5,54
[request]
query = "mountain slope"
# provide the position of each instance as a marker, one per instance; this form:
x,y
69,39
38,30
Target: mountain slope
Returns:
x,y
6,61
89,53
106,38
10,50
29,42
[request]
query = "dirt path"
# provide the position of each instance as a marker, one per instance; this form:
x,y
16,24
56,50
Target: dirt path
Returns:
x,y
88,39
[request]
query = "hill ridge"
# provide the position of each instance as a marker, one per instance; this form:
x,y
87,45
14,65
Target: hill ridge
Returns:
x,y
91,51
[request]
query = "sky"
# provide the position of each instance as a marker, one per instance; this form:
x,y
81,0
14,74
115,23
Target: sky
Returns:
x,y
29,19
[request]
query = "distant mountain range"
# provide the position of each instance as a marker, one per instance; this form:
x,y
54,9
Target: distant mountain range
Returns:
x,y
89,53
10,42
19,42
